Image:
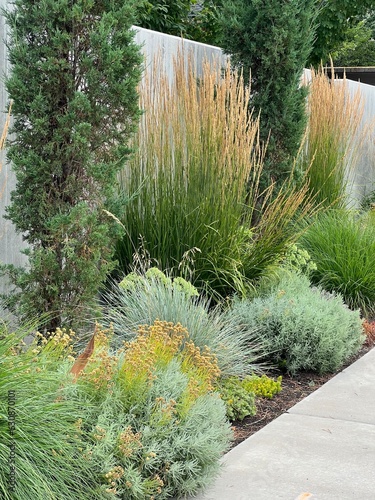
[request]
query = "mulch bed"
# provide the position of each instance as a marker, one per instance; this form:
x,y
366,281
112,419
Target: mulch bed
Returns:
x,y
294,389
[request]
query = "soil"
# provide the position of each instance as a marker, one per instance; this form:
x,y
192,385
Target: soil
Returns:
x,y
294,389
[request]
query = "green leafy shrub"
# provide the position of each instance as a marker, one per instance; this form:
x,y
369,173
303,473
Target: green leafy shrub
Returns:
x,y
263,386
298,260
239,395
343,246
149,299
239,401
304,328
158,430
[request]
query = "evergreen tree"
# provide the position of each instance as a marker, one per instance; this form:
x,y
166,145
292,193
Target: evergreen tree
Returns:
x,y
273,40
74,71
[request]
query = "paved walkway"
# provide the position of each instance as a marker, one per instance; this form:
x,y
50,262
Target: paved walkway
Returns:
x,y
323,448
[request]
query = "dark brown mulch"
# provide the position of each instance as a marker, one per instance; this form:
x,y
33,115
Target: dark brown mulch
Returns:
x,y
294,389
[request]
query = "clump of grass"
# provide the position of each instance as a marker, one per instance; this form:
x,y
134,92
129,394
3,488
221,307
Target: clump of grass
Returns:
x,y
342,244
332,138
150,298
278,228
196,168
47,458
196,172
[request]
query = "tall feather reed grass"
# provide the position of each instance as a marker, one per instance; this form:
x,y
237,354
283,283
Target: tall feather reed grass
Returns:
x,y
196,168
333,138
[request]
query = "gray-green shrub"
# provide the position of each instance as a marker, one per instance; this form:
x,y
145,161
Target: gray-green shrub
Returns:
x,y
304,327
158,428
183,453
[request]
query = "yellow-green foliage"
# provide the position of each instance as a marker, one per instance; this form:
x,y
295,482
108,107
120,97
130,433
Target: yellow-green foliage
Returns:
x,y
239,394
154,348
263,386
134,280
299,260
43,352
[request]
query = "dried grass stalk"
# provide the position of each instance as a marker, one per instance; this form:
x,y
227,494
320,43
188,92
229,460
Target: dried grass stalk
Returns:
x,y
333,138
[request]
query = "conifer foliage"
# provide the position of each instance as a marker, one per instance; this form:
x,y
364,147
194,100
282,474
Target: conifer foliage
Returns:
x,y
75,68
273,40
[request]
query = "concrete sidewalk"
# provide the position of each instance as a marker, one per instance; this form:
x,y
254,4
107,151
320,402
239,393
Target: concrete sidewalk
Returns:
x,y
323,448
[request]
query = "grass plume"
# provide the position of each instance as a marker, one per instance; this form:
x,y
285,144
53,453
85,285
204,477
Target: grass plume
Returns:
x,y
197,169
332,138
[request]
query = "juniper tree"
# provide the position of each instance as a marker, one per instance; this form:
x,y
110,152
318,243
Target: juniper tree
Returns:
x,y
273,40
74,71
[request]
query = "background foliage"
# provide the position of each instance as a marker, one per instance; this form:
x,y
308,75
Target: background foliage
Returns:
x,y
334,20
191,19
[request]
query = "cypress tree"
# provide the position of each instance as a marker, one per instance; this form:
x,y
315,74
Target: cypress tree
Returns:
x,y
74,71
273,40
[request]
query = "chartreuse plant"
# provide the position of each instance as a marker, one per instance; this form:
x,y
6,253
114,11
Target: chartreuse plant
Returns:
x,y
42,433
159,430
134,280
342,244
145,300
263,386
295,260
299,260
239,402
304,328
239,395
